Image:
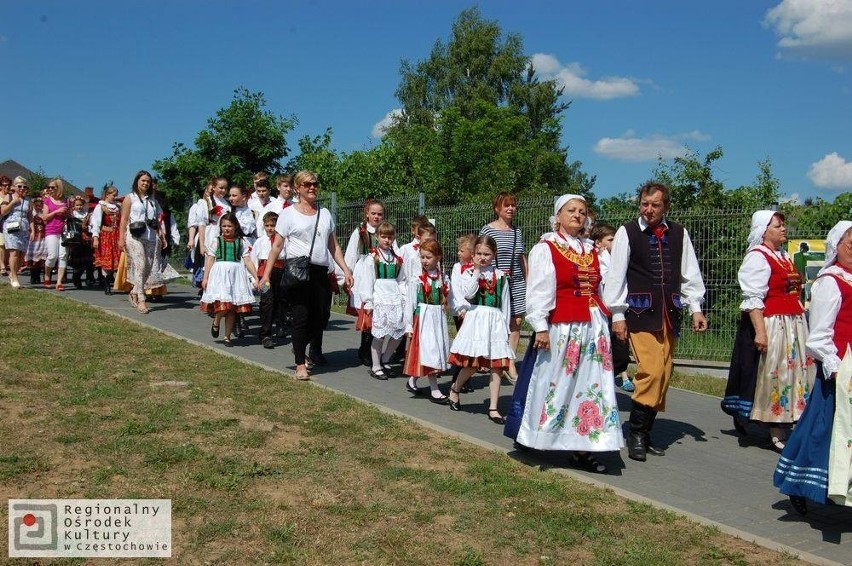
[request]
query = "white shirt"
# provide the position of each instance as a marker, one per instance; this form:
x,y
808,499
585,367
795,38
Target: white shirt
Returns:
x,y
297,229
260,210
141,210
260,251
615,287
353,247
456,300
247,223
825,306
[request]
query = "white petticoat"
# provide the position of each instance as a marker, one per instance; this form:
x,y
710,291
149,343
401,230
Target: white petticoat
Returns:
x,y
483,334
228,283
388,313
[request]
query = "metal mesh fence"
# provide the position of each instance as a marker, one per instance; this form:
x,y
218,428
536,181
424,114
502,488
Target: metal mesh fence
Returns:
x,y
719,237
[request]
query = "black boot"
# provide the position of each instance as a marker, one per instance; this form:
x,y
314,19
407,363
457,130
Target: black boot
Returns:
x,y
364,355
35,274
108,281
649,447
242,325
636,438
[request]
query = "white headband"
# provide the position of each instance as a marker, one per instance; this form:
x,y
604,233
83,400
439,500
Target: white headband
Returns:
x,y
833,238
759,223
560,202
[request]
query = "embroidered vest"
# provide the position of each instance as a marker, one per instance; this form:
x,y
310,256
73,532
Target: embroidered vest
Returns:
x,y
843,323
578,278
229,250
785,285
653,278
431,291
385,269
490,292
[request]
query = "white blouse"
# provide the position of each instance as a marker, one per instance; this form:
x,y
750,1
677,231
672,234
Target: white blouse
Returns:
x,y
297,229
825,306
143,209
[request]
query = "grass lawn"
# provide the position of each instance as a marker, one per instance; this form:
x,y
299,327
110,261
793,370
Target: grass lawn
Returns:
x,y
263,469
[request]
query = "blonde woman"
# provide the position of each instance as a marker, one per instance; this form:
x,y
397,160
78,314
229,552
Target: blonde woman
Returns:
x,y
16,227
53,212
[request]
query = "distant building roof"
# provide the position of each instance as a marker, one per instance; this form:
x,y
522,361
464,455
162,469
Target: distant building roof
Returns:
x,y
12,169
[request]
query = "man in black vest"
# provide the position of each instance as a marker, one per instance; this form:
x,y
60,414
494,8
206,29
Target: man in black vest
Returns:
x,y
653,275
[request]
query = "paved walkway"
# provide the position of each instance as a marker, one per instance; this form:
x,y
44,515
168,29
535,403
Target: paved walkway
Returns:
x,y
708,474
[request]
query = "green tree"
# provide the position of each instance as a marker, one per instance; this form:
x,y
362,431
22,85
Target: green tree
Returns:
x,y
476,120
240,140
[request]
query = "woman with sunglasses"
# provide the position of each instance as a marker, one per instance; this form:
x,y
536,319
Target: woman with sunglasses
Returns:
x,y
54,212
5,196
302,225
16,227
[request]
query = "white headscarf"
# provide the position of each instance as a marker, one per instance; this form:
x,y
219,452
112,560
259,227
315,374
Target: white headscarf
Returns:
x,y
831,241
759,223
560,202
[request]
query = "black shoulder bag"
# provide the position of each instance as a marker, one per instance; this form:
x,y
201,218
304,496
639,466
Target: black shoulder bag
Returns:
x,y
297,270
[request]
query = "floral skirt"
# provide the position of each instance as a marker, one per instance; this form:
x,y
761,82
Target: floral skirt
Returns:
x,y
108,252
571,402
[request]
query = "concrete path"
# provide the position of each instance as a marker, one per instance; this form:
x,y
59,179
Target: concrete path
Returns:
x,y
708,473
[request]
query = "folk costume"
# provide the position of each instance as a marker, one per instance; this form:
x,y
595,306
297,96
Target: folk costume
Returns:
x,y
483,339
816,463
36,247
228,284
361,241
772,387
104,224
653,275
570,402
429,346
379,287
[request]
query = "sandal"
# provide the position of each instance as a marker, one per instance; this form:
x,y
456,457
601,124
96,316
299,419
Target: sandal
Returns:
x,y
776,439
799,503
586,461
60,287
142,308
134,300
214,330
228,341
302,375
499,419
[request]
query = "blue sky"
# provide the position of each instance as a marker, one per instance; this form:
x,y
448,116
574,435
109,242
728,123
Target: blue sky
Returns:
x,y
96,90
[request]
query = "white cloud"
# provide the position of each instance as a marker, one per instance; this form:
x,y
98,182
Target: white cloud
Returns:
x,y
817,28
572,77
631,148
831,172
380,127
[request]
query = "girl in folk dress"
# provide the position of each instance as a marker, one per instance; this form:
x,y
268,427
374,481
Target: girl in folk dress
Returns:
x,y
227,290
570,402
770,376
106,220
379,289
362,240
483,340
816,463
426,323
37,248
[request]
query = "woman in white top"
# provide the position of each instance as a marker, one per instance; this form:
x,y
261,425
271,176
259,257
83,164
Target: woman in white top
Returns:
x,y
16,227
141,236
301,225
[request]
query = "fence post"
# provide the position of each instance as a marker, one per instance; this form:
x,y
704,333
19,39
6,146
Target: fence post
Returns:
x,y
421,203
333,205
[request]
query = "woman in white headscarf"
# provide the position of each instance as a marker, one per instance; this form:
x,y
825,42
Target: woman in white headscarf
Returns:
x,y
770,376
570,402
817,461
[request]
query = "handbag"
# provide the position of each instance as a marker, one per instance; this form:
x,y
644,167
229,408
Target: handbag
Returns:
x,y
138,228
297,270
72,234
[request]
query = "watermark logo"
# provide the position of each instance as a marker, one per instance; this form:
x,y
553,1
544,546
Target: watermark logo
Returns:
x,y
107,528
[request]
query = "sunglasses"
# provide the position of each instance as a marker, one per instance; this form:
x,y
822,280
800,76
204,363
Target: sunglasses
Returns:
x,y
22,186
310,184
